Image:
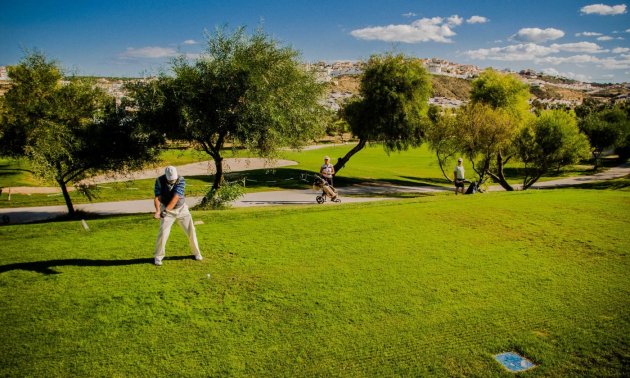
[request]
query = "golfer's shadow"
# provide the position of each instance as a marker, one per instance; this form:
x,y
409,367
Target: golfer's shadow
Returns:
x,y
46,267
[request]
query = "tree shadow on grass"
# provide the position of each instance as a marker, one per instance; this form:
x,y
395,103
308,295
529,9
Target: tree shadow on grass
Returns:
x,y
613,184
46,267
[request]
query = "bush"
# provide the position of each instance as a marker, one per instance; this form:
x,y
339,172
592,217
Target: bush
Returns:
x,y
223,197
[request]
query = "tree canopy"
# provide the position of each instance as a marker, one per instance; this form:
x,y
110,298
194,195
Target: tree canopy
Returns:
x,y
498,109
606,128
497,127
550,142
392,105
70,130
245,89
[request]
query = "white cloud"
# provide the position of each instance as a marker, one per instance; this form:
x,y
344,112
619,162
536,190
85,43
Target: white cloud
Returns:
x,y
422,30
627,30
605,38
537,34
477,20
575,59
588,34
620,63
455,20
546,54
410,14
568,75
190,42
585,47
620,38
608,76
604,10
149,52
532,51
522,51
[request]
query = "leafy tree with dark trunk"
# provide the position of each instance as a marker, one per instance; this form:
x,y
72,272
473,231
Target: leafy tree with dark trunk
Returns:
x,y
548,143
606,128
70,131
392,105
442,137
245,90
504,112
482,133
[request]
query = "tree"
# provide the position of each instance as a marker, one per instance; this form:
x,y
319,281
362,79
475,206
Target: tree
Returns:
x,y
605,129
483,134
441,136
392,106
550,142
69,131
499,108
245,89
501,91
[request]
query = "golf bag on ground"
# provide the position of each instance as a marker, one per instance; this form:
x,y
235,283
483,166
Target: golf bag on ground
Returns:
x,y
474,187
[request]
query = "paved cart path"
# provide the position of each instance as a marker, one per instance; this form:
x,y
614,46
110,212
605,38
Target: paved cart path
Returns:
x,y
282,197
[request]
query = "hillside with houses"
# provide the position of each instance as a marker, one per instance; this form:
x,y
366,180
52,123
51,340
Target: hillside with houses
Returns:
x,y
451,84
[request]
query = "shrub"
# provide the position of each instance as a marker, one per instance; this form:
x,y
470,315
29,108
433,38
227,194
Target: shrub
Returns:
x,y
219,199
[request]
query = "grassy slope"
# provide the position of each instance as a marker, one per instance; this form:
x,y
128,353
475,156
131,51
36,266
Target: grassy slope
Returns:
x,y
431,286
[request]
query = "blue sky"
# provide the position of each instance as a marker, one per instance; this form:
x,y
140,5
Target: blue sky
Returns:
x,y
586,40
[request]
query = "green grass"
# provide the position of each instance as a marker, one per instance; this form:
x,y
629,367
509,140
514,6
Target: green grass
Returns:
x,y
17,172
14,172
424,287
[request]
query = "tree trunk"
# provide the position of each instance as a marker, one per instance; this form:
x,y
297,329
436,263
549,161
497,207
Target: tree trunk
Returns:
x,y
528,183
66,196
441,163
218,176
500,176
341,162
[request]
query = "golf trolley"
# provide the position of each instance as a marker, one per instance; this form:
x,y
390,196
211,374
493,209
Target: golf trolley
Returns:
x,y
328,191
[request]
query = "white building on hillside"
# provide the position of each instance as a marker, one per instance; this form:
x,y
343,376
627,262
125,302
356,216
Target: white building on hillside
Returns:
x,y
3,73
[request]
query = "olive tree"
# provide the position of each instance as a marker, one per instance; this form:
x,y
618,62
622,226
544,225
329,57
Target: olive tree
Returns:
x,y
606,128
246,90
69,130
441,136
482,134
548,143
392,105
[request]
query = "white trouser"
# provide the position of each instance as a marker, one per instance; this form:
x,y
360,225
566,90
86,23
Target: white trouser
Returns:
x,y
183,217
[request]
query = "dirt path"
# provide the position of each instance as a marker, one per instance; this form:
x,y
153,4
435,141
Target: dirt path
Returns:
x,y
193,169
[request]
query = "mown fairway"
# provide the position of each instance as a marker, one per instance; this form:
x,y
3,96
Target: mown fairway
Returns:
x,y
425,287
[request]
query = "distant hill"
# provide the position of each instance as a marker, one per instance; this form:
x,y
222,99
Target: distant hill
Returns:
x,y
443,86
450,87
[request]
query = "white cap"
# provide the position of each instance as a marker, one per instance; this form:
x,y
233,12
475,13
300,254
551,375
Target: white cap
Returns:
x,y
459,160
171,173
326,158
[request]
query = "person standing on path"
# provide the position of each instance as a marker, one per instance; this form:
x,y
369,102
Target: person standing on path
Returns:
x,y
170,206
327,171
459,174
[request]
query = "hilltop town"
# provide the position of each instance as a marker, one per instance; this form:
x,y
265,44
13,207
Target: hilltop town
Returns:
x,y
451,84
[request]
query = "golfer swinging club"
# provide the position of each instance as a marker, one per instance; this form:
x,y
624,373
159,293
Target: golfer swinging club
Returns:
x,y
170,205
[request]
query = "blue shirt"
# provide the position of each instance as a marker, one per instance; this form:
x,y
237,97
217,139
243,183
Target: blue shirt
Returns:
x,y
166,191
